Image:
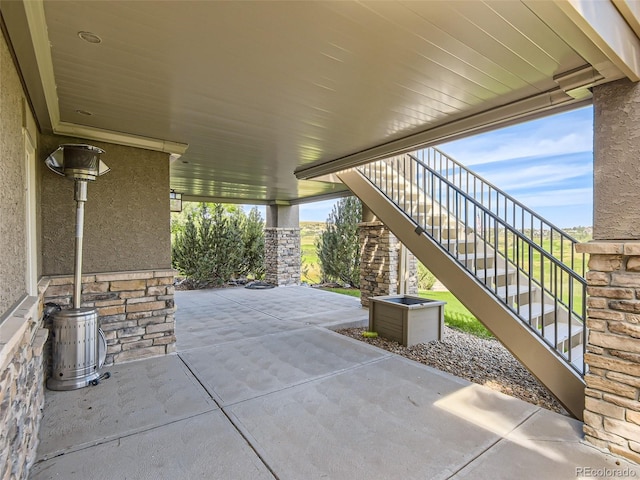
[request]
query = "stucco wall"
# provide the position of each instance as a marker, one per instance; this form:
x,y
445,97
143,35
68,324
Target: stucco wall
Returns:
x,y
616,163
12,172
127,218
283,216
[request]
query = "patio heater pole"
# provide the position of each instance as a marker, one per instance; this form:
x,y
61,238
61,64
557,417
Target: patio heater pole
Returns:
x,y
78,344
80,196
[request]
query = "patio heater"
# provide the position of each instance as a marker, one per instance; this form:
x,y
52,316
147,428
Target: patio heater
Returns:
x,y
78,345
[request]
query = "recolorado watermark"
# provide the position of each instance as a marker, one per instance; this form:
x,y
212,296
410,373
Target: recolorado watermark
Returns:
x,y
590,472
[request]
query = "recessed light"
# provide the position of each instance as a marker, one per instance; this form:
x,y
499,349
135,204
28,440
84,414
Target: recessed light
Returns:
x,y
84,112
89,37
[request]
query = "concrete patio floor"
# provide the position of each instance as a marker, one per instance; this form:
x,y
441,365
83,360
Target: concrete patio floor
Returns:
x,y
262,389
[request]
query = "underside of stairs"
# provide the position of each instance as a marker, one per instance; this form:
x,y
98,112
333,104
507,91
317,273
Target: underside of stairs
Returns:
x,y
530,298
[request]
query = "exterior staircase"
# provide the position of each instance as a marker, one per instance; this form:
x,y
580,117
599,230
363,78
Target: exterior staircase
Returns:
x,y
515,271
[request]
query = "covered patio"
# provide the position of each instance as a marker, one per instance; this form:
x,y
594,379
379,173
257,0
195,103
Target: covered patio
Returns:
x,y
262,388
265,103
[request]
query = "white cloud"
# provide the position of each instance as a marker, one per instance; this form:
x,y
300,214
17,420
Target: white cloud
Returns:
x,y
558,198
570,132
536,176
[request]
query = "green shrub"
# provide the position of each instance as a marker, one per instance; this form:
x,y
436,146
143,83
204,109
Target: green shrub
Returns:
x,y
214,244
252,262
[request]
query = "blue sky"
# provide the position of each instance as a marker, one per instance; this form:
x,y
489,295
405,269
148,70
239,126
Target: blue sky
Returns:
x,y
547,164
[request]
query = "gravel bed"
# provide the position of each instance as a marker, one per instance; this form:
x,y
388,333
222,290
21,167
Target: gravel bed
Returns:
x,y
479,360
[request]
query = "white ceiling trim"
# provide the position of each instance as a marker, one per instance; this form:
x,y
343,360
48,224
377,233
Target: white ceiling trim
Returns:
x,y
239,201
319,198
29,123
608,30
498,117
34,11
71,129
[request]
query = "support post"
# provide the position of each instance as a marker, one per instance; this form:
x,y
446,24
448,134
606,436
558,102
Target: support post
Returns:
x,y
282,245
383,268
612,402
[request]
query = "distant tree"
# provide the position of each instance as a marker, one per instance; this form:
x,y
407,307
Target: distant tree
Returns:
x,y
338,247
179,219
426,279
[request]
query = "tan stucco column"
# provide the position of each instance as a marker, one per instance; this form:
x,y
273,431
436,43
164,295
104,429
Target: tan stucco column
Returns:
x,y
612,403
386,267
282,245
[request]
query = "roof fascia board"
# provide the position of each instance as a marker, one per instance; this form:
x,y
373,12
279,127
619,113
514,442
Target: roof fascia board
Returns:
x,y
552,15
603,24
630,10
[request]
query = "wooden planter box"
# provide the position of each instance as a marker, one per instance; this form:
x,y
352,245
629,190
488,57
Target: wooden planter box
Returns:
x,y
406,319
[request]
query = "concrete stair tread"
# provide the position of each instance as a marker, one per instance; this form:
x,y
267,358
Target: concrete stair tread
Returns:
x,y
491,273
536,310
474,256
458,241
513,290
563,332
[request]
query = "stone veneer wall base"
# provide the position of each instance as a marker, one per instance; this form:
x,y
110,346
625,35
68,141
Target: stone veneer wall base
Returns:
x,y
612,403
22,376
135,310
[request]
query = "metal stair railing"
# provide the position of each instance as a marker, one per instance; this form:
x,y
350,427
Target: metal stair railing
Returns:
x,y
457,220
540,231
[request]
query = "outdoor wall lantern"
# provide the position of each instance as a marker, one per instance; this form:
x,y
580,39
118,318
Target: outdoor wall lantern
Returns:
x,y
79,346
175,201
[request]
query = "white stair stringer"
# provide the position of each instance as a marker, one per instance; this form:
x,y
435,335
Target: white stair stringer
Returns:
x,y
544,363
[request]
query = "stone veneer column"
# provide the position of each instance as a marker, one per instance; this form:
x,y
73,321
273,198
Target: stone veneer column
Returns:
x,y
612,403
282,245
379,261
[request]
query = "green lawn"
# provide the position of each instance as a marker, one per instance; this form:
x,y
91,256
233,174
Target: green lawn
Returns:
x,y
456,315
309,257
352,292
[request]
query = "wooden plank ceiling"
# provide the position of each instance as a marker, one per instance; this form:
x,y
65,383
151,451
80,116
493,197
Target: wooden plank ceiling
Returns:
x,y
260,89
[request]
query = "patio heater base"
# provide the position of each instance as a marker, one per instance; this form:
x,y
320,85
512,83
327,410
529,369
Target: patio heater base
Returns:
x,y
79,349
